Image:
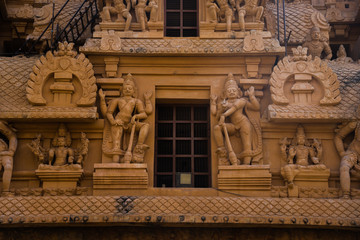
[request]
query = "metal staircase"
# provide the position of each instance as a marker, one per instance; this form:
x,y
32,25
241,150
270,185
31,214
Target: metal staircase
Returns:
x,y
84,17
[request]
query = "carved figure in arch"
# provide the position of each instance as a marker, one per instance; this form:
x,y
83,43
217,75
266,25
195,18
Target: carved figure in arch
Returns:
x,y
341,55
236,109
300,154
141,8
124,115
316,45
212,11
250,8
118,8
350,160
226,13
7,152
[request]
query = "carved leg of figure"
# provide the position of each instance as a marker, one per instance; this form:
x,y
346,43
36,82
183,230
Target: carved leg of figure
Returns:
x,y
345,177
242,20
219,140
139,152
128,17
259,13
289,175
7,162
245,133
228,23
143,132
116,134
106,14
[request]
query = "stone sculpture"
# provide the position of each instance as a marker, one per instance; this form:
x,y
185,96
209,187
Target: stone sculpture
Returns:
x,y
317,45
349,156
226,13
124,115
118,8
141,8
250,8
300,154
7,152
212,11
341,55
60,155
237,109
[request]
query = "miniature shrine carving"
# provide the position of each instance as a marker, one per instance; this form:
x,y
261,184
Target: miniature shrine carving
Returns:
x,y
7,151
60,156
317,45
73,80
341,55
125,115
304,71
253,42
349,155
238,110
302,157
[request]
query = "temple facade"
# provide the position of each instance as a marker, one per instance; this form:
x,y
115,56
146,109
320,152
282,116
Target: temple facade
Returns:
x,y
180,119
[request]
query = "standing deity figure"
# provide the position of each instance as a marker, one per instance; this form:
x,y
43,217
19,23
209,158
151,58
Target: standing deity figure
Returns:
x,y
250,8
118,8
124,115
212,11
316,45
341,55
83,149
141,8
7,152
226,13
350,156
235,119
300,154
61,151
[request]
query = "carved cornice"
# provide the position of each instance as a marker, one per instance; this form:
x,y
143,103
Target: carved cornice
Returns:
x,y
329,213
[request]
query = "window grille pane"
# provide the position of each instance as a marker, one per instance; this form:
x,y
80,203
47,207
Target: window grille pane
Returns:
x,y
190,32
183,147
189,19
201,181
173,4
173,32
201,164
164,164
164,181
183,113
189,4
201,147
183,130
200,130
183,164
200,113
164,147
165,113
172,19
165,130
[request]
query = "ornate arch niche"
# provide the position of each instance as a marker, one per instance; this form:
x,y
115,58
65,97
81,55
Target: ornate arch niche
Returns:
x,y
62,79
302,81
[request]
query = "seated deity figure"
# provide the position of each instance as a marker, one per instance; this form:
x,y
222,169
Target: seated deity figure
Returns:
x,y
7,154
350,157
141,8
300,155
316,45
124,115
226,13
250,8
61,152
212,11
234,108
341,55
119,9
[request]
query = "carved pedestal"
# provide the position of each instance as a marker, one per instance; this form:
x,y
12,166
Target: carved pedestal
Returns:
x,y
245,180
59,178
111,178
218,30
155,30
309,178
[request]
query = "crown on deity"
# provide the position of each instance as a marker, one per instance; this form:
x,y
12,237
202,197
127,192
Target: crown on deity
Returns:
x,y
300,130
230,81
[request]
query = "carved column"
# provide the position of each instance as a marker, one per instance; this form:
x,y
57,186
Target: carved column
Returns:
x,y
302,89
63,88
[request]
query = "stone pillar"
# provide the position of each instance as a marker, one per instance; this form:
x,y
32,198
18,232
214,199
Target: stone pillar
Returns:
x,y
302,89
62,88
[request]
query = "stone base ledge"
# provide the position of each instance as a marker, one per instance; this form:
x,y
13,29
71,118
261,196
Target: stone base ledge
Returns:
x,y
59,178
177,211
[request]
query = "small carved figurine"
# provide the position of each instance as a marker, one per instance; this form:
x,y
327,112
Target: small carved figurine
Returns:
x,y
234,107
350,156
316,45
341,55
300,154
212,11
141,8
84,148
7,154
37,149
118,8
129,111
250,8
226,13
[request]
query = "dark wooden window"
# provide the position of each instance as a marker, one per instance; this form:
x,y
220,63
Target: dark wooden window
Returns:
x,y
182,148
181,18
